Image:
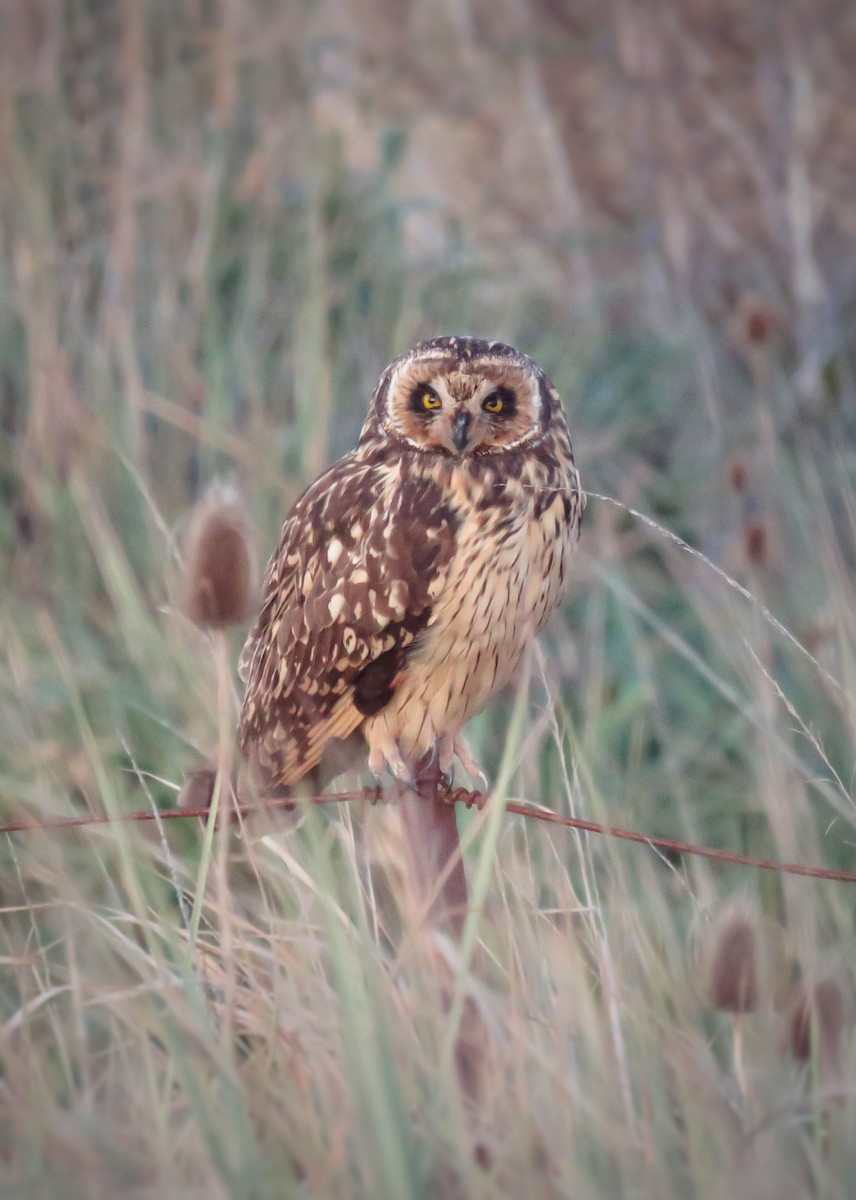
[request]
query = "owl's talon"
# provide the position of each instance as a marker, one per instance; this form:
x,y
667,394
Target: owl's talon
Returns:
x,y
465,757
446,785
386,756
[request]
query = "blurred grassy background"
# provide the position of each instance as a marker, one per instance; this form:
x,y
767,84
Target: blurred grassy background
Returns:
x,y
218,221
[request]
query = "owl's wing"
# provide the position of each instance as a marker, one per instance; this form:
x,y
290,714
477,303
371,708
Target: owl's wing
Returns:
x,y
360,559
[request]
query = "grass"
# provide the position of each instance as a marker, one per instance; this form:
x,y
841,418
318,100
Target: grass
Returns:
x,y
191,288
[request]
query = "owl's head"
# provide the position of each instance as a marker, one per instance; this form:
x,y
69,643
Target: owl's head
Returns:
x,y
461,396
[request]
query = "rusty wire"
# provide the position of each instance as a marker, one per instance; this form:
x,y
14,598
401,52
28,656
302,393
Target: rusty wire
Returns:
x,y
458,796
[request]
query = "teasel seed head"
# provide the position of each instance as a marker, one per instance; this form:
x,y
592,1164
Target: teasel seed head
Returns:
x,y
822,1018
197,789
221,577
735,971
757,542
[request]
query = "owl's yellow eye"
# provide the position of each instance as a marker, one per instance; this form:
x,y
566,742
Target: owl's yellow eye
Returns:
x,y
429,400
494,403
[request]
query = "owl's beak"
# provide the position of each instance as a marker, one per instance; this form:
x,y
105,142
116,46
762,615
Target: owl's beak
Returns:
x,y
461,431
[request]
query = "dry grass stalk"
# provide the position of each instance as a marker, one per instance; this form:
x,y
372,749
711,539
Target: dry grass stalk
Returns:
x,y
221,589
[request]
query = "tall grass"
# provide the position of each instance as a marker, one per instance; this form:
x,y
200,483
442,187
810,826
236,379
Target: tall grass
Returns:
x,y
194,282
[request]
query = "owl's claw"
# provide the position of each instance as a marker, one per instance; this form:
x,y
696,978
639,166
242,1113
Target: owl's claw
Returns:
x,y
386,756
433,773
480,777
452,749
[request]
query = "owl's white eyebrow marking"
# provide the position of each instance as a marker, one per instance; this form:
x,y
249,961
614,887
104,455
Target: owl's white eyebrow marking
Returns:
x,y
439,386
484,389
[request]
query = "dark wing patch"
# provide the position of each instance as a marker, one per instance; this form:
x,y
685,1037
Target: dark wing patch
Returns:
x,y
360,558
374,687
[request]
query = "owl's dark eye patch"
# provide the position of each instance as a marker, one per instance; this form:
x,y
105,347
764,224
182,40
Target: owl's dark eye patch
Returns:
x,y
424,399
501,401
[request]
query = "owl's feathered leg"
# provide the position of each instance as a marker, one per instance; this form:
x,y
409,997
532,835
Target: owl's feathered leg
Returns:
x,y
433,846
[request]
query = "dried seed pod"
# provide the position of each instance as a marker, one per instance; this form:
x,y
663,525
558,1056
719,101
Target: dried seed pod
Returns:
x,y
822,1017
197,789
757,542
221,579
197,793
739,476
756,325
734,980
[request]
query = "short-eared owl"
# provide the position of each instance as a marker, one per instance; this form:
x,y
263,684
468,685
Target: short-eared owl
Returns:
x,y
412,575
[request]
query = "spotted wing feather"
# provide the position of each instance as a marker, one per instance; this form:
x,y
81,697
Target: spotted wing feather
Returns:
x,y
347,593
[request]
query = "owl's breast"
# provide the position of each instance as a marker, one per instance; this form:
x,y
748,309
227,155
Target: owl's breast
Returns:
x,y
508,573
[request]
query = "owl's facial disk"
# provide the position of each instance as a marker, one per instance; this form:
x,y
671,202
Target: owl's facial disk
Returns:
x,y
446,407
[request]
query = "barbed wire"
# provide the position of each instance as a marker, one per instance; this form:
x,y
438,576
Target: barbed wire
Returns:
x,y
458,796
